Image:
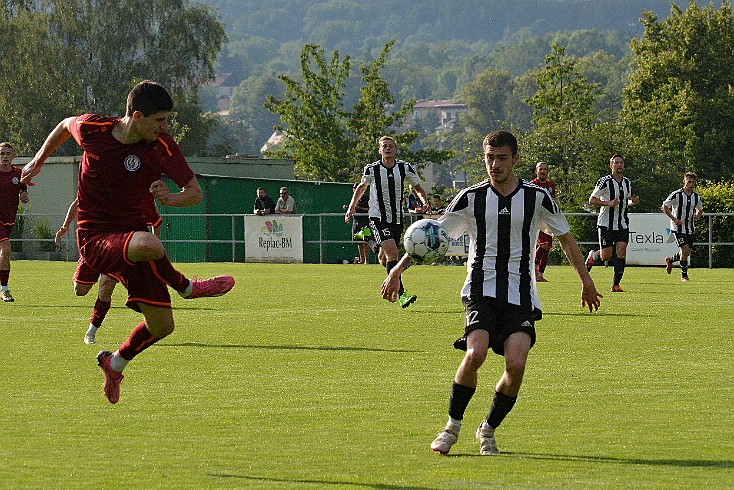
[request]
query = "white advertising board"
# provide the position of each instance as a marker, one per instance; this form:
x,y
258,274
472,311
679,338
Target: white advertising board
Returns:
x,y
274,238
650,239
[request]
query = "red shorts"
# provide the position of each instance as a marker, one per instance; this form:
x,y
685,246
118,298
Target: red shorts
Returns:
x,y
545,239
84,274
5,231
106,252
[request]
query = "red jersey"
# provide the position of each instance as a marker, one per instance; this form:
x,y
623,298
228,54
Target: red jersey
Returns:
x,y
114,178
548,184
10,188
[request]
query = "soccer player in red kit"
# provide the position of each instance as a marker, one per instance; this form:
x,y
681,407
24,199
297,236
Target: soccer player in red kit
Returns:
x,y
120,169
12,191
85,277
545,241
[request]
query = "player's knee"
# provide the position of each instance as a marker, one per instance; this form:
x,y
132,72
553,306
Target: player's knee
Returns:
x,y
81,289
145,246
474,358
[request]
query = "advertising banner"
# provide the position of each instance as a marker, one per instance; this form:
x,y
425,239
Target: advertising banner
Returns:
x,y
459,247
274,238
650,239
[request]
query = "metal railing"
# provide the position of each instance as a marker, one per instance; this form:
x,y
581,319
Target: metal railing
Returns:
x,y
37,244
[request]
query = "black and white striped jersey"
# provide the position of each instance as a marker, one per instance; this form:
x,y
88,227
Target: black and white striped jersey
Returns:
x,y
503,231
386,189
608,189
684,208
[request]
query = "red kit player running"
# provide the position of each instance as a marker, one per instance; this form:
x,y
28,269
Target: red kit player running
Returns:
x,y
545,241
122,161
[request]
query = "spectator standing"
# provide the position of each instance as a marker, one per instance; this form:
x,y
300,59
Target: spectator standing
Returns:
x,y
263,203
286,204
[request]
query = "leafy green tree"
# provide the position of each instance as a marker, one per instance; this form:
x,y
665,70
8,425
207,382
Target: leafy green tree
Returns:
x,y
327,141
679,101
313,116
80,55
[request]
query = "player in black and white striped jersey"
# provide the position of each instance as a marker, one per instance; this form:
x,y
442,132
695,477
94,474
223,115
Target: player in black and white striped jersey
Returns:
x,y
684,207
612,195
386,179
502,217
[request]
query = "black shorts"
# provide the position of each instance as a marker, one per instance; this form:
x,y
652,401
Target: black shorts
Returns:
x,y
683,239
500,319
386,231
608,237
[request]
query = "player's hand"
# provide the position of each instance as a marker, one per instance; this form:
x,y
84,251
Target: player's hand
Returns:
x,y
24,197
30,170
613,202
590,297
57,239
635,200
160,191
390,287
348,215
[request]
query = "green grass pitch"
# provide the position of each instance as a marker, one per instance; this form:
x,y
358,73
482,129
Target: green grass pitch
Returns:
x,y
303,377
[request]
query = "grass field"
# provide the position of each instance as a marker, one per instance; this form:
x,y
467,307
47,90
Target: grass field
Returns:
x,y
302,377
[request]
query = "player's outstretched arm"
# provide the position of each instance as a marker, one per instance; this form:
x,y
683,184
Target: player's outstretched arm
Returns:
x,y
391,284
590,297
55,139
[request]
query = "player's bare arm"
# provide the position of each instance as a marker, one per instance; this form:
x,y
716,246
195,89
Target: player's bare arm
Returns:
x,y
358,192
56,138
391,284
595,201
590,297
70,216
190,194
424,199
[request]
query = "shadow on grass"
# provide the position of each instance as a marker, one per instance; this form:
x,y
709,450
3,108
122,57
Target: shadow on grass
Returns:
x,y
320,483
683,463
284,347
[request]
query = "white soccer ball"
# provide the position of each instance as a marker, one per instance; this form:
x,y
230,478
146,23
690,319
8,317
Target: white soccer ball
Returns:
x,y
426,241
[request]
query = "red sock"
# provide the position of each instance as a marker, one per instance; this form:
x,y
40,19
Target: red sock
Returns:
x,y
139,340
100,311
4,276
164,269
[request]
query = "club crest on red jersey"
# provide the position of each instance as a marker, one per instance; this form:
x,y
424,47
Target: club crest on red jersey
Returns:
x,y
132,163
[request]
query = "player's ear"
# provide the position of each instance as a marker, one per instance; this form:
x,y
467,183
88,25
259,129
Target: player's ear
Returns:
x,y
137,116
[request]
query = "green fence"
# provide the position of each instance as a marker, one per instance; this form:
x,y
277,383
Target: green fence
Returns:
x,y
215,226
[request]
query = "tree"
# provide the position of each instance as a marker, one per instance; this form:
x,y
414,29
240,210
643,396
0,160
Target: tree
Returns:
x,y
80,55
679,101
566,127
313,117
327,141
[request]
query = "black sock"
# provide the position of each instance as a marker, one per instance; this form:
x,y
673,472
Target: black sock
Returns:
x,y
501,406
459,399
390,264
684,267
618,270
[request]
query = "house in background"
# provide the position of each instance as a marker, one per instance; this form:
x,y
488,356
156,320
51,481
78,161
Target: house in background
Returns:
x,y
447,112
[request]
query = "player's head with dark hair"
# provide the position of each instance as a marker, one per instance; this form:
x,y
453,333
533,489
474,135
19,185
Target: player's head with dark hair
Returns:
x,y
6,144
615,156
501,138
148,97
